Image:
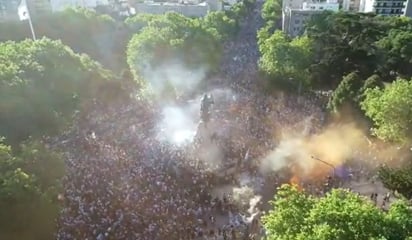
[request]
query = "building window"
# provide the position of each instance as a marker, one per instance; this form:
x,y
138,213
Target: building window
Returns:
x,y
320,8
297,21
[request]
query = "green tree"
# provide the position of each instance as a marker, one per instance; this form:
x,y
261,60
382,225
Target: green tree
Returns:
x,y
139,21
399,221
42,84
340,214
272,12
290,209
29,183
347,92
399,180
390,110
284,59
226,27
372,82
82,29
343,215
397,48
173,37
346,42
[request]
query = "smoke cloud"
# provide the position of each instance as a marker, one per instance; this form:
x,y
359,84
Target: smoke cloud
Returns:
x,y
179,123
245,197
172,79
303,154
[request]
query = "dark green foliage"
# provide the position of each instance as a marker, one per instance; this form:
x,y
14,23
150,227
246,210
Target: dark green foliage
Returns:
x,y
347,92
399,180
29,185
348,42
226,27
345,42
173,37
397,46
42,84
83,30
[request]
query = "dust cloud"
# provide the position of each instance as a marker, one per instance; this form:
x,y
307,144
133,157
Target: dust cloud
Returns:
x,y
315,155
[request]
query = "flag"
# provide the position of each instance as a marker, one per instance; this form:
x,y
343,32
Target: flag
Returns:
x,y
23,11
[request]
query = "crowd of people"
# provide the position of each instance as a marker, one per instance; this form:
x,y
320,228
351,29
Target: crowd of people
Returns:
x,y
124,183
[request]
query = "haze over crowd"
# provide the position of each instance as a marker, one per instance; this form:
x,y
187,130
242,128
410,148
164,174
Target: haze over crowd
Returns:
x,y
189,127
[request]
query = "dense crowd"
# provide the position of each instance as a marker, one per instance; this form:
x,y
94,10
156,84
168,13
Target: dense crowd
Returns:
x,y
124,183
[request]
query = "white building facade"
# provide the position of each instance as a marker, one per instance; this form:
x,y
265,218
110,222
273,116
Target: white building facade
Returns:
x,y
351,5
60,5
295,19
193,8
408,9
384,7
190,10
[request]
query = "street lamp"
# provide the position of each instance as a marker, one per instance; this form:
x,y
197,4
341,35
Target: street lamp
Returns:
x,y
324,162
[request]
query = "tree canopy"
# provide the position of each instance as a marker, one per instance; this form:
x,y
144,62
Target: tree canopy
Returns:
x,y
173,36
338,215
341,43
102,38
272,12
29,185
286,59
399,180
390,110
42,84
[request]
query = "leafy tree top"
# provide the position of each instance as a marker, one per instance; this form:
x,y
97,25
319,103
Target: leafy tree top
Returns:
x,y
340,214
390,110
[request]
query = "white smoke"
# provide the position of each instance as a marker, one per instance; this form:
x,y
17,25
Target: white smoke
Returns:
x,y
245,197
179,123
253,203
288,151
172,79
242,195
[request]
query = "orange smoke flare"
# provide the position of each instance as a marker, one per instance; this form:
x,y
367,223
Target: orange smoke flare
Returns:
x,y
296,182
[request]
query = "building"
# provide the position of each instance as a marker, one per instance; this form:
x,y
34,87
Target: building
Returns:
x,y
292,4
295,19
384,7
8,10
408,9
60,5
193,8
351,5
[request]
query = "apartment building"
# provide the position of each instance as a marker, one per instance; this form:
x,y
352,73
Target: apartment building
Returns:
x,y
384,7
408,9
295,19
351,5
60,5
190,10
